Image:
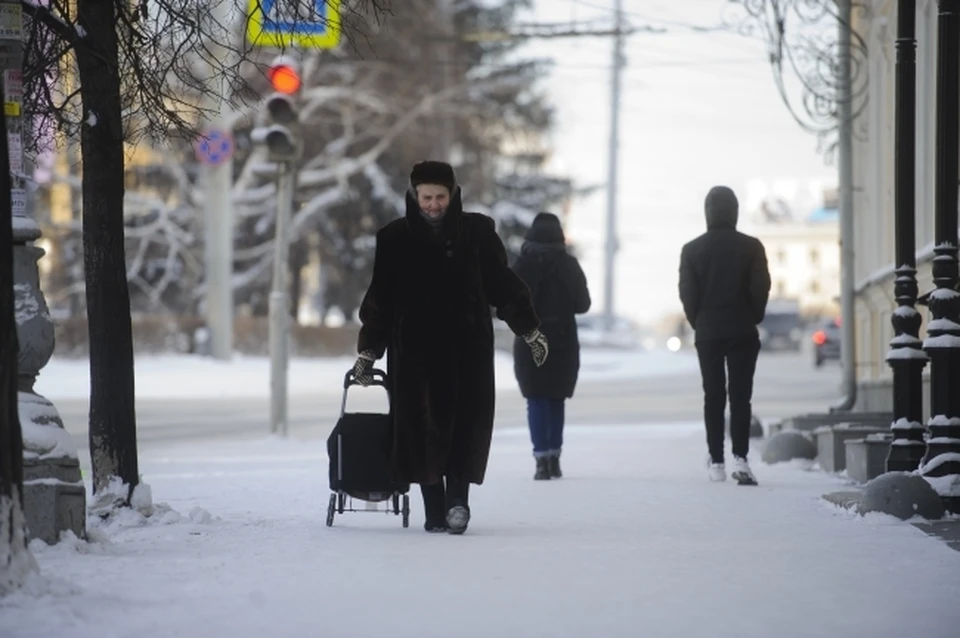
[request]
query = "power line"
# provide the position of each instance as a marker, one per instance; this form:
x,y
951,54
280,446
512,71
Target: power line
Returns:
x,y
666,21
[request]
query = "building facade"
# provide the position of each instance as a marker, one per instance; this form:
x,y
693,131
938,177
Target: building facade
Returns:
x,y
804,263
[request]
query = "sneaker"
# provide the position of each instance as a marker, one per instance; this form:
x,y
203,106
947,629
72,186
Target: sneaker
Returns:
x,y
716,471
741,472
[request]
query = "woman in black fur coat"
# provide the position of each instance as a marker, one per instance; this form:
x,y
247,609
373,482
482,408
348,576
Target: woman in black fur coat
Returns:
x,y
437,271
559,290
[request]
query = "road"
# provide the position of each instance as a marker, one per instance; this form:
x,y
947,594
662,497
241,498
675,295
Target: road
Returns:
x,y
786,384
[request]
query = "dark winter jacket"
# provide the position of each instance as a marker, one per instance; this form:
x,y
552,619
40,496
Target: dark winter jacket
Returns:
x,y
724,280
559,290
428,307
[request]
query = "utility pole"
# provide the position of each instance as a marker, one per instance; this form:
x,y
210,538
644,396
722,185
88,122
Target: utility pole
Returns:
x,y
845,156
218,207
611,243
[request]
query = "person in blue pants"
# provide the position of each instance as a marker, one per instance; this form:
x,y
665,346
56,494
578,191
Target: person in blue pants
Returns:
x,y
559,290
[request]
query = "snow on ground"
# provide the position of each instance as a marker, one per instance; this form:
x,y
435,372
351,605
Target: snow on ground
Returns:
x,y
190,376
634,541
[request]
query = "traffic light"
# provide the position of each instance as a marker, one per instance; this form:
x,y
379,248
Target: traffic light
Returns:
x,y
280,112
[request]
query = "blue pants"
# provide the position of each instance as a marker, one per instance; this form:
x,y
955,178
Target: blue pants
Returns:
x,y
545,417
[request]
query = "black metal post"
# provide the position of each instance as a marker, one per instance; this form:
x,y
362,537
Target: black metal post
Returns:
x,y
943,341
906,355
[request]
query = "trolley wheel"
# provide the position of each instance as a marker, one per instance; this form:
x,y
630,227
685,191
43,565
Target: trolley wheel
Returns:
x,y
406,511
341,502
396,503
331,509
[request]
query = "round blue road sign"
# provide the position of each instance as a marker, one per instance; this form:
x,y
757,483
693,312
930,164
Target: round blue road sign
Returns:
x,y
214,147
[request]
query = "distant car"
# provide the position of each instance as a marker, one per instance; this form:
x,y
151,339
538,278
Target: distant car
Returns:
x,y
782,326
826,342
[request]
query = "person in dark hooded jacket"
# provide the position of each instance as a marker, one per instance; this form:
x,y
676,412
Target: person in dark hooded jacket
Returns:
x,y
436,273
724,287
559,290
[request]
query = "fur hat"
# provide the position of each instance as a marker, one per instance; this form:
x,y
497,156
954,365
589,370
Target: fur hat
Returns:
x,y
433,172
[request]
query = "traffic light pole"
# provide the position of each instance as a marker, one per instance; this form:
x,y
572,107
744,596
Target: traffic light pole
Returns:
x,y
279,303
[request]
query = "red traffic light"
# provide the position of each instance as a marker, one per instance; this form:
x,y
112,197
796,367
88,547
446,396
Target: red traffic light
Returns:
x,y
284,79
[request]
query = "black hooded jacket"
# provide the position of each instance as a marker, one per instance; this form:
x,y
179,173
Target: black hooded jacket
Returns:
x,y
559,290
724,279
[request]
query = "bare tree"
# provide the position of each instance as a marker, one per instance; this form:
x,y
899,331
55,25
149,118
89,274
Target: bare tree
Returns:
x,y
111,72
803,48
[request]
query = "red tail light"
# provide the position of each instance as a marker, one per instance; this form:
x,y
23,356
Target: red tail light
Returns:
x,y
819,337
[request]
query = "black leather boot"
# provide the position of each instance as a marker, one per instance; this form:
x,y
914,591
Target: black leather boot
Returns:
x,y
555,467
543,469
433,507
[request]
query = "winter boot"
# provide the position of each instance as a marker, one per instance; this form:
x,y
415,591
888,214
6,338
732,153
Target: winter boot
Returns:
x,y
715,471
555,467
433,507
543,469
458,509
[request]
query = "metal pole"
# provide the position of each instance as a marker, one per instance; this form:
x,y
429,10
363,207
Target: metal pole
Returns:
x,y
943,331
611,244
218,207
218,252
906,355
845,156
279,305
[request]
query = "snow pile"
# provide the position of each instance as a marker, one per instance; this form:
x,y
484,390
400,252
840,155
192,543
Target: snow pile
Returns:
x,y
108,513
43,434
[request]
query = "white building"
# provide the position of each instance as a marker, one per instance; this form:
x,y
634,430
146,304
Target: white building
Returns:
x,y
804,262
874,193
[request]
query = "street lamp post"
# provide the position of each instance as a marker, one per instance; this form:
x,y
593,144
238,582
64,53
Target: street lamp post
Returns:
x,y
906,355
941,464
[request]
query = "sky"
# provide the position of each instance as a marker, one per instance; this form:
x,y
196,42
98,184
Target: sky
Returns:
x,y
698,109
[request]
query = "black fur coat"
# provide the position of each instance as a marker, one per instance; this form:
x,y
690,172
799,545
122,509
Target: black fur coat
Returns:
x,y
428,308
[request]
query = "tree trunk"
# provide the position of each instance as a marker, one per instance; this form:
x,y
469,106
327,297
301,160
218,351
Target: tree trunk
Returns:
x,y
113,428
15,558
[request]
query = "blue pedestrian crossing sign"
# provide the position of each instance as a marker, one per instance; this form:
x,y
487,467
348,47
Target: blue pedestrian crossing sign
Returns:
x,y
312,24
214,147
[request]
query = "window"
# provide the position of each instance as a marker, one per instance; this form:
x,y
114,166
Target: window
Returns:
x,y
781,256
815,286
815,256
781,288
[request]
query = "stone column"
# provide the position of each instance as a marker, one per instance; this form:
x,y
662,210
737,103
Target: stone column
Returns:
x,y
54,497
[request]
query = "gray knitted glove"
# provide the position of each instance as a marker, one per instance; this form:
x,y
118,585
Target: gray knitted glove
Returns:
x,y
538,346
362,366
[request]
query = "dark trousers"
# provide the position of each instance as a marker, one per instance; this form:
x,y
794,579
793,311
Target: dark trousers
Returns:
x,y
727,367
545,418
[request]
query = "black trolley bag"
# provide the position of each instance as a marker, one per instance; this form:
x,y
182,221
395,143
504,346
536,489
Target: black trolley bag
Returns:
x,y
360,449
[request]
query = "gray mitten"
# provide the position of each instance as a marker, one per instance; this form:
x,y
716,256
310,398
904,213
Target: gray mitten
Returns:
x,y
538,346
362,367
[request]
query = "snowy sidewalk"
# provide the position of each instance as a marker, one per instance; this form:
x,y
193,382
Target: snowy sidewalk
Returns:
x,y
632,542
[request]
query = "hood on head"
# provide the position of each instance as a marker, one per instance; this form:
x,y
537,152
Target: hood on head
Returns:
x,y
545,229
721,208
